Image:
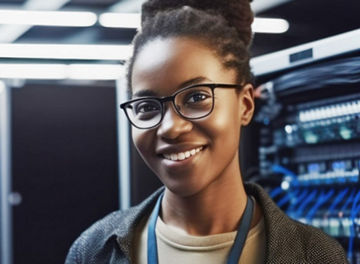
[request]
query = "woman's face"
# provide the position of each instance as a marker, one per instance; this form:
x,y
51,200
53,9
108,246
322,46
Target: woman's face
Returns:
x,y
210,144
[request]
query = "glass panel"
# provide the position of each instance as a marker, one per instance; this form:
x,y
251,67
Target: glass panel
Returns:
x,y
194,102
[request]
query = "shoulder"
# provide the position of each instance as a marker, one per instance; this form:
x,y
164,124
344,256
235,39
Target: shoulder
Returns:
x,y
96,236
289,240
309,243
321,248
111,236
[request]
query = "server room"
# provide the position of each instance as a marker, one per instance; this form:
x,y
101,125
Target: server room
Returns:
x,y
267,170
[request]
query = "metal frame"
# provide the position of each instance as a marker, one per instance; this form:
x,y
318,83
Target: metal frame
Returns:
x,y
5,176
6,251
306,53
124,154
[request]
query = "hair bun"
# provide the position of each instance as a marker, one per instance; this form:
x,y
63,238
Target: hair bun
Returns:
x,y
237,12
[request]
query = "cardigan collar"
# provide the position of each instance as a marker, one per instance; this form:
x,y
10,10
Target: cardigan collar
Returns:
x,y
273,217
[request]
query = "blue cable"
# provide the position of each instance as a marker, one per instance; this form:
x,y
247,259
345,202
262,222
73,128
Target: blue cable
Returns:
x,y
354,211
287,198
352,234
275,192
348,201
322,199
283,170
280,169
302,195
337,200
308,199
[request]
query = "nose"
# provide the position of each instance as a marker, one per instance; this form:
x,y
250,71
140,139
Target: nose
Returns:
x,y
173,125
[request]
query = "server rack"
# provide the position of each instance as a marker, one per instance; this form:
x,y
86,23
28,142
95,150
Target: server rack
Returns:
x,y
308,134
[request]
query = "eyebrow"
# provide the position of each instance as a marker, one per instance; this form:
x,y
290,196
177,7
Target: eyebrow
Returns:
x,y
143,93
196,80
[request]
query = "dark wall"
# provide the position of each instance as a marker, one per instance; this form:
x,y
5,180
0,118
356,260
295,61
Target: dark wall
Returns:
x,y
143,180
64,166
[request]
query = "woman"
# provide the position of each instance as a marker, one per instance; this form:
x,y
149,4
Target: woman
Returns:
x,y
191,95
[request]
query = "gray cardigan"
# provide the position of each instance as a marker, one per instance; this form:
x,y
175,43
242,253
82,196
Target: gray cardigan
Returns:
x,y
111,240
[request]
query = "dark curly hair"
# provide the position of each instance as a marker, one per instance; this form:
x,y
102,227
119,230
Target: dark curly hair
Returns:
x,y
223,25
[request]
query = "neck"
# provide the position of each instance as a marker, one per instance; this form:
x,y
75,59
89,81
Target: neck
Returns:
x,y
216,209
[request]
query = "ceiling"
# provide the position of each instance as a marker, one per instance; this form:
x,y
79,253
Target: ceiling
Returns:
x,y
309,20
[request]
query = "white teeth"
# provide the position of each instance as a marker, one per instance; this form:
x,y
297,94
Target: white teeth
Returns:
x,y
182,155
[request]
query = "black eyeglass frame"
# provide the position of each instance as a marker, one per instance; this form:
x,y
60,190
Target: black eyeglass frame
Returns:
x,y
171,98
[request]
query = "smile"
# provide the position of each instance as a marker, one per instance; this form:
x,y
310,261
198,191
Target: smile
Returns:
x,y
182,155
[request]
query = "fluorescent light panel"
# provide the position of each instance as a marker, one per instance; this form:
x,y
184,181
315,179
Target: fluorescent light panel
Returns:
x,y
61,71
95,71
132,20
32,71
120,20
48,18
270,25
66,51
112,20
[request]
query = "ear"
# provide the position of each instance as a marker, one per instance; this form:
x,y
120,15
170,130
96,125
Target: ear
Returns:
x,y
247,104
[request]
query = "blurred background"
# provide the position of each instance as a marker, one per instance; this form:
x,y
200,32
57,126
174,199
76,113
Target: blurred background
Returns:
x,y
65,157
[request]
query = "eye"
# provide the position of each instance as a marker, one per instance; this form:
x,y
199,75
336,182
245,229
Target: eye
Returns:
x,y
144,107
197,97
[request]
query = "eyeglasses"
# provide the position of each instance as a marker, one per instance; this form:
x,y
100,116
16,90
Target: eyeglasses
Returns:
x,y
192,102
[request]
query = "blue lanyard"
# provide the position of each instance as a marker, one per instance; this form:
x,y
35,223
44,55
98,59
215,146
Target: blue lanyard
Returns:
x,y
236,249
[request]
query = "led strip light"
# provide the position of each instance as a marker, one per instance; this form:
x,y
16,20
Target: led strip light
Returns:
x,y
325,112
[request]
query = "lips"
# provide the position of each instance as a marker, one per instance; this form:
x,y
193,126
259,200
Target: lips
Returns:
x,y
182,155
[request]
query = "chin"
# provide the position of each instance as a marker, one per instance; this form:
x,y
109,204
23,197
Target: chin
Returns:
x,y
184,189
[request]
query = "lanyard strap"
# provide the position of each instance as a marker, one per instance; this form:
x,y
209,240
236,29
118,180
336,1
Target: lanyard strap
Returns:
x,y
152,254
242,232
236,249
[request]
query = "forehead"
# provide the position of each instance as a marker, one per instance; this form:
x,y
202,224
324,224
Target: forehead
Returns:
x,y
164,64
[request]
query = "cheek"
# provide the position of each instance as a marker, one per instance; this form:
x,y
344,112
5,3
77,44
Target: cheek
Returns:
x,y
223,126
142,140
225,118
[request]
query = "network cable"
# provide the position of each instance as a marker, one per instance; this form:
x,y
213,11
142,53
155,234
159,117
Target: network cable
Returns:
x,y
354,211
348,201
320,201
290,210
308,199
275,192
287,198
337,200
281,169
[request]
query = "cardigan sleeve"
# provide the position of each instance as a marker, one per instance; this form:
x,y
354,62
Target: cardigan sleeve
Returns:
x,y
73,254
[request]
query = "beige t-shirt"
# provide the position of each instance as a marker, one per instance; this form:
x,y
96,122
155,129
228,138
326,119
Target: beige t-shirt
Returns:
x,y
177,247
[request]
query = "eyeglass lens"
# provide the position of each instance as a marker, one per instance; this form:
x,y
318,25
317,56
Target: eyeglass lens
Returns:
x,y
191,103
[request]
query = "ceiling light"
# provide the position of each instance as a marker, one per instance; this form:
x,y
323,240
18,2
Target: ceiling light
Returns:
x,y
32,71
61,71
95,71
270,25
48,18
66,51
133,20
120,20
